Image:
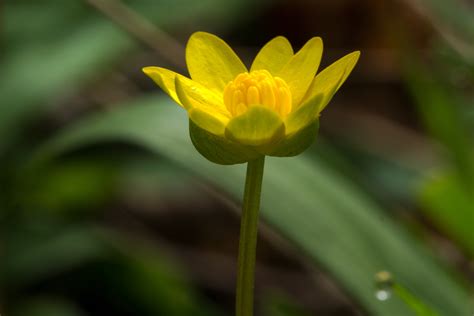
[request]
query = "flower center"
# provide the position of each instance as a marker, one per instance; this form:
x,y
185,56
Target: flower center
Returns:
x,y
258,87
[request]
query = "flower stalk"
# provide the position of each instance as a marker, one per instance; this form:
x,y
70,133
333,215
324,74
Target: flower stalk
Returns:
x,y
248,237
240,115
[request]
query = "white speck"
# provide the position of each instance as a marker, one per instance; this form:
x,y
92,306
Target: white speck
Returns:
x,y
382,295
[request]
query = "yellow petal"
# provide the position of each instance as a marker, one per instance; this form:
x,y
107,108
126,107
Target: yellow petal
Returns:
x,y
331,79
211,62
300,70
208,122
164,78
273,56
258,126
193,95
306,114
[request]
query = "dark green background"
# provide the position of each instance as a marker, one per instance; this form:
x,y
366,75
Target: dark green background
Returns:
x,y
106,208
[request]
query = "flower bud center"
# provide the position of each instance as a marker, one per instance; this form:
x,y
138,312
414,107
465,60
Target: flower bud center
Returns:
x,y
258,87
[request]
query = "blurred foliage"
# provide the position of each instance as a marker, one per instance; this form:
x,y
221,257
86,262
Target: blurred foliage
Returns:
x,y
277,304
450,195
66,44
387,286
106,267
443,95
47,306
60,257
323,206
411,300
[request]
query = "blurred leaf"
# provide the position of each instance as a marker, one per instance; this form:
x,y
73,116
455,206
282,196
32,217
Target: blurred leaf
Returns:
x,y
448,200
46,306
149,179
326,217
72,186
457,14
387,286
386,179
414,302
35,75
38,249
147,283
451,206
141,277
442,116
58,49
277,304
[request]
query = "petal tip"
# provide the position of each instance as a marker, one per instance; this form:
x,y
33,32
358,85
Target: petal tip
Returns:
x,y
281,37
316,40
355,55
149,69
154,71
211,61
199,35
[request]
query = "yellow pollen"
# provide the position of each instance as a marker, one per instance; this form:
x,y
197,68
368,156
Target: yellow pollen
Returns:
x,y
257,88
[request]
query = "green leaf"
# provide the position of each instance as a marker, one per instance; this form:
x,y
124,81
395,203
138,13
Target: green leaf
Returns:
x,y
326,217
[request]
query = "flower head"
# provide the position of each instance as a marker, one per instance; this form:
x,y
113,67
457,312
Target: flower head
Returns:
x,y
237,115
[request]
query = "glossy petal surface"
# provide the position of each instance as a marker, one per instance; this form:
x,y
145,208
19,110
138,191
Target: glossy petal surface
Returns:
x,y
331,78
211,62
273,56
206,121
164,78
193,95
299,72
237,115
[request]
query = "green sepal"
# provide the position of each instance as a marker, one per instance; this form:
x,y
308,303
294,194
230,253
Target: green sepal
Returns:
x,y
296,143
218,149
258,126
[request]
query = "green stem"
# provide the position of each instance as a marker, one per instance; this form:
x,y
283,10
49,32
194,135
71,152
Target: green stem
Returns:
x,y
248,237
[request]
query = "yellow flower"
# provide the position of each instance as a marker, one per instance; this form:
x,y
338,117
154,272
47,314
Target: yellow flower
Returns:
x,y
237,115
